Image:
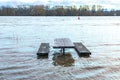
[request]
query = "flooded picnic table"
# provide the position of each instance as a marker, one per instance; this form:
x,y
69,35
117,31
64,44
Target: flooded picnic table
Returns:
x,y
63,43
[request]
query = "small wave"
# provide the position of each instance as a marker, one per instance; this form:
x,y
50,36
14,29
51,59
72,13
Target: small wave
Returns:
x,y
110,44
13,67
6,48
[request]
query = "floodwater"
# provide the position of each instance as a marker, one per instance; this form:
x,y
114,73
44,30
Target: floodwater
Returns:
x,y
20,38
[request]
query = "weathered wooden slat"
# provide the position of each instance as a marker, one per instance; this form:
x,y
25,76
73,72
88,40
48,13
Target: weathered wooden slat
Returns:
x,y
82,50
68,42
59,42
43,50
63,43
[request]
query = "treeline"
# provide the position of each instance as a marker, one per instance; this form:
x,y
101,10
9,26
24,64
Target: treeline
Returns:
x,y
41,10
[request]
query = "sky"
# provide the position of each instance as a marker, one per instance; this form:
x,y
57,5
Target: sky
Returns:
x,y
109,4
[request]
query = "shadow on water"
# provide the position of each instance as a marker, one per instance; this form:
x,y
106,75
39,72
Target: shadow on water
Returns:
x,y
42,57
65,60
84,55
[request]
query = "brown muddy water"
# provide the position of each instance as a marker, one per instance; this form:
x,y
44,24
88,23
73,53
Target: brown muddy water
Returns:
x,y
20,38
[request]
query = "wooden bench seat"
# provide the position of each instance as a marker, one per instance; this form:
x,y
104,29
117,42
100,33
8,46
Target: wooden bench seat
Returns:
x,y
82,50
43,50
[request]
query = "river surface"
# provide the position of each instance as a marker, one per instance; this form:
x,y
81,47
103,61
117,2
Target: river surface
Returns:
x,y
20,38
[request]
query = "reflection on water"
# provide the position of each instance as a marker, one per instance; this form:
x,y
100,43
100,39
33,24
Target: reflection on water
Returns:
x,y
63,60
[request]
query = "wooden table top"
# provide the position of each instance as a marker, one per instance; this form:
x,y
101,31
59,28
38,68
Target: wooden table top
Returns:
x,y
63,43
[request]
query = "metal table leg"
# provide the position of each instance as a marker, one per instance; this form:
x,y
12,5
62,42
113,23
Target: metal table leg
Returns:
x,y
63,51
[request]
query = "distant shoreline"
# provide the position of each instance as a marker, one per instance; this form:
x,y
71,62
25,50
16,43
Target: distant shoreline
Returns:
x,y
41,10
58,16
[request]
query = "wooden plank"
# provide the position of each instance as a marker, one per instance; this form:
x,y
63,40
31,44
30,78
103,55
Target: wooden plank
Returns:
x,y
63,43
59,42
82,50
43,50
68,42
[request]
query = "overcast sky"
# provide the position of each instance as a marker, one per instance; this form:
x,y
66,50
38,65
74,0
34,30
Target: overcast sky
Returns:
x,y
113,4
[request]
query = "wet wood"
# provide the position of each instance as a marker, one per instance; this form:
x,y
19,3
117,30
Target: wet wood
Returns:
x,y
43,50
82,50
63,43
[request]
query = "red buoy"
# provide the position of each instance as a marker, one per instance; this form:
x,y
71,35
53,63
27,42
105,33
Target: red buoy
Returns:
x,y
78,17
